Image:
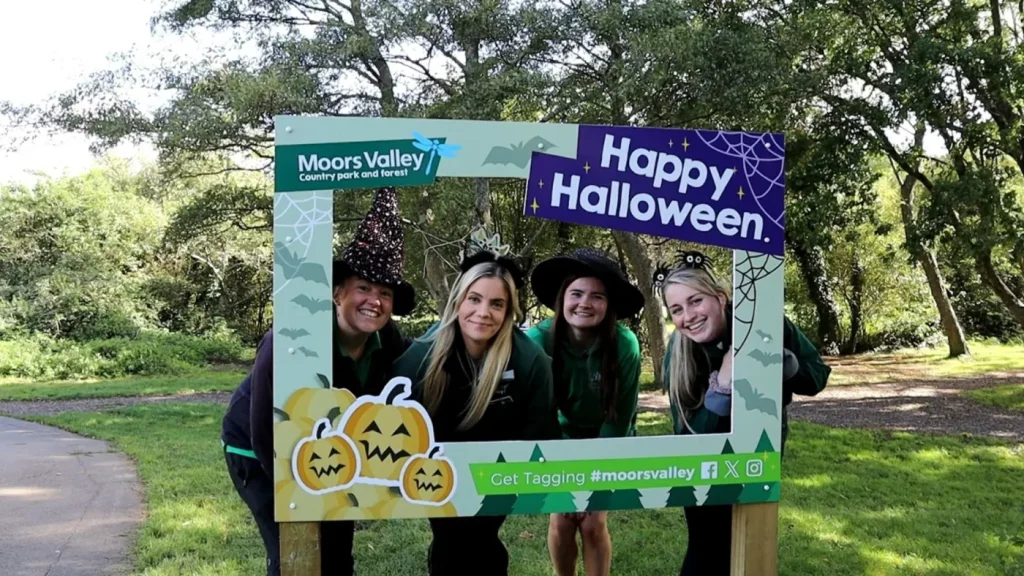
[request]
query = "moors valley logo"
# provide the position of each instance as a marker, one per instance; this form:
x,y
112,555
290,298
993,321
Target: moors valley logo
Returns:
x,y
344,165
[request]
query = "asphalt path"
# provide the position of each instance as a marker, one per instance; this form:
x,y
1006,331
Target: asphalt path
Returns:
x,y
68,505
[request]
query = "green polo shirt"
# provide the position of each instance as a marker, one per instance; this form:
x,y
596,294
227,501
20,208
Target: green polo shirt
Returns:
x,y
362,365
581,415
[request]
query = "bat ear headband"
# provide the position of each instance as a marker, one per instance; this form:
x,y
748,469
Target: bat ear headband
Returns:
x,y
685,259
483,248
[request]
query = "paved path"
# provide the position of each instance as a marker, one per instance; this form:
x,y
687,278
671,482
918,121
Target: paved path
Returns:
x,y
922,406
70,505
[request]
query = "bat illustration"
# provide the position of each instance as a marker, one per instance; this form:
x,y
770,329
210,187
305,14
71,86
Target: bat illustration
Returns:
x,y
314,305
307,352
764,358
754,400
767,337
293,334
294,267
517,154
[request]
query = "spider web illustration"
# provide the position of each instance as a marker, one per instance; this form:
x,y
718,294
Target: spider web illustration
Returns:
x,y
763,164
751,267
299,218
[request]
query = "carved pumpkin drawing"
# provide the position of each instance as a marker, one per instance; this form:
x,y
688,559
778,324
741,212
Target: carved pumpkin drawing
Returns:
x,y
326,461
428,479
286,435
307,405
388,430
401,508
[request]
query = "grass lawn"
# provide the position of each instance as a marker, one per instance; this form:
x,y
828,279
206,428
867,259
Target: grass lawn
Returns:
x,y
854,503
200,381
987,358
1010,397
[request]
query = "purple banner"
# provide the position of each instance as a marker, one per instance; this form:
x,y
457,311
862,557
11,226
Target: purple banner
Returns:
x,y
716,188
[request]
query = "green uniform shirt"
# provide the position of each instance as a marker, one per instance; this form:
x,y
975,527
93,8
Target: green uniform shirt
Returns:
x,y
580,412
362,365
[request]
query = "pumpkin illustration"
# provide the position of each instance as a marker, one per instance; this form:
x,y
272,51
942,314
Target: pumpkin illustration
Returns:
x,y
326,461
388,429
307,405
428,479
307,507
286,435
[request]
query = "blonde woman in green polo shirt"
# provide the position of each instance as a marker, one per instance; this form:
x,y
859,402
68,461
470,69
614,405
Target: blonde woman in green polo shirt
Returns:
x,y
596,366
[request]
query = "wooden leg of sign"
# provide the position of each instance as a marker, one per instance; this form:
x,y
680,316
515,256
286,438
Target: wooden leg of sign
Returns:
x,y
300,548
755,539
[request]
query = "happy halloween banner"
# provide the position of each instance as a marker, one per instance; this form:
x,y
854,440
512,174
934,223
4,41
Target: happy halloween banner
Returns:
x,y
717,188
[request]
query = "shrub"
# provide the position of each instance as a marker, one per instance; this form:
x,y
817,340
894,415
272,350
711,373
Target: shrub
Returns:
x,y
42,357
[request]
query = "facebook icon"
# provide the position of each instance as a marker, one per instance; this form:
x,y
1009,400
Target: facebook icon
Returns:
x,y
708,470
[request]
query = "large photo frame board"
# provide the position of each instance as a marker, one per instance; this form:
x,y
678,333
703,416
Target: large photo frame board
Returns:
x,y
715,188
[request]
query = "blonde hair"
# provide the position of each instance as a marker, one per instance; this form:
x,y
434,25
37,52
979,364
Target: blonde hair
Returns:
x,y
435,380
685,393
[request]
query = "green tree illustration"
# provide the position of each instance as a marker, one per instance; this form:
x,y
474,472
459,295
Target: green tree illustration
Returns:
x,y
681,496
497,504
755,491
531,503
721,494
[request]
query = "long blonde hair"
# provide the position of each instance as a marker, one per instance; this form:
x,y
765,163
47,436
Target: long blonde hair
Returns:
x,y
435,380
685,393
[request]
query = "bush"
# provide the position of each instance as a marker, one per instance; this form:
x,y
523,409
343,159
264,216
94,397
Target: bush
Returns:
x,y
42,357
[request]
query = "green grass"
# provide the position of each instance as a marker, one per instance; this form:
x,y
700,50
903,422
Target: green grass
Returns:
x,y
1010,397
854,502
200,381
987,358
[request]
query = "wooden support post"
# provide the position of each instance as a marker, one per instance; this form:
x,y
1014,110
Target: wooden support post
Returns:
x,y
755,539
300,548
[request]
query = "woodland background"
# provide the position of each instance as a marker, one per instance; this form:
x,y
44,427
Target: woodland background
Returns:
x,y
889,244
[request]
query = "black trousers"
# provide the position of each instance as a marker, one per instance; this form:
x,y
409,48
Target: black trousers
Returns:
x,y
709,546
457,540
257,491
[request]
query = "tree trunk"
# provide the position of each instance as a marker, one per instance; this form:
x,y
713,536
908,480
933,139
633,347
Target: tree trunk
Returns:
x,y
482,205
856,302
564,236
653,315
936,285
992,279
812,267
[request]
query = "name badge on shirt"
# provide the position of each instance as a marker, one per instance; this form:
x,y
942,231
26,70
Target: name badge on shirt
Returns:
x,y
501,394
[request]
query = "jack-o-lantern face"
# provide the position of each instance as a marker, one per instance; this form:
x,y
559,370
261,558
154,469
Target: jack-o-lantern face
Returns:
x,y
388,430
428,479
326,461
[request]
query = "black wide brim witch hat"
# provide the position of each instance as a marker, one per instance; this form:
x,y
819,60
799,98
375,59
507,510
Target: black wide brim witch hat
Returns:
x,y
377,253
548,276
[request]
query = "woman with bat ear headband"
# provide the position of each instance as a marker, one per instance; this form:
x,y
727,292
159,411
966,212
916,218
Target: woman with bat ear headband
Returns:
x,y
698,375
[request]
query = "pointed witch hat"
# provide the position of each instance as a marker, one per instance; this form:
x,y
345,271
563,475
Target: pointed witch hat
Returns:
x,y
377,252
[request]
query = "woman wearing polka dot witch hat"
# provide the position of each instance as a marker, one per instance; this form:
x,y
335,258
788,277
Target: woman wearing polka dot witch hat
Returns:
x,y
698,374
368,289
596,365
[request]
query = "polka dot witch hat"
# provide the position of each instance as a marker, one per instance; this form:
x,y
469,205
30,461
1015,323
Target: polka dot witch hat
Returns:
x,y
377,252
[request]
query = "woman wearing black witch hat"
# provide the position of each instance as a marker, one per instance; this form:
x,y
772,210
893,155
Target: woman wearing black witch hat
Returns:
x,y
596,364
482,380
368,289
698,374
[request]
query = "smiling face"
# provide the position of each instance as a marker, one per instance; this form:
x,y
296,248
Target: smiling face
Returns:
x,y
697,315
585,304
482,312
362,307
